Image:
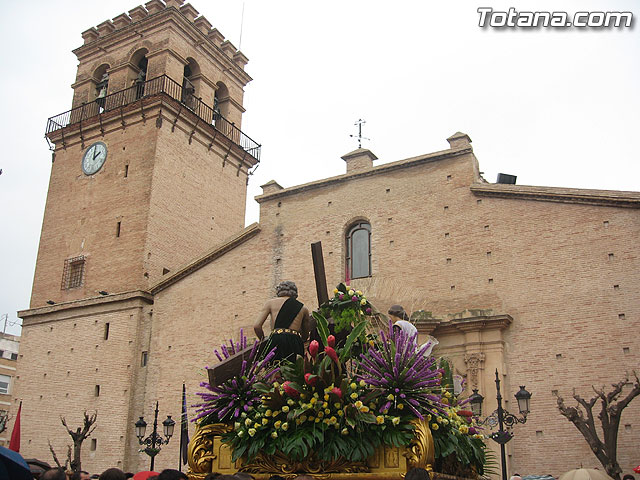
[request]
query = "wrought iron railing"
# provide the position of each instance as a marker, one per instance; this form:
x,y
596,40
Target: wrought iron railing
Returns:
x,y
156,86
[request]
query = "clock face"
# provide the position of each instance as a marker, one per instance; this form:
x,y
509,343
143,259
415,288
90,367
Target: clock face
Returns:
x,y
94,158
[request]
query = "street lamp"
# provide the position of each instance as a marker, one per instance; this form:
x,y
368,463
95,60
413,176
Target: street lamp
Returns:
x,y
154,441
501,418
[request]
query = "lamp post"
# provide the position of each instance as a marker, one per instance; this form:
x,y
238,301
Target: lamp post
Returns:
x,y
501,418
154,441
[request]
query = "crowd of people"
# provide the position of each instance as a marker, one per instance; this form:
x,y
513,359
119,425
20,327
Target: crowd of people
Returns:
x,y
170,474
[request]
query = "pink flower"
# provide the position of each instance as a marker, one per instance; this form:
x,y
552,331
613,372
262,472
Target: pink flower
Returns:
x,y
341,296
331,353
337,391
472,431
313,348
368,310
354,298
331,341
289,390
310,379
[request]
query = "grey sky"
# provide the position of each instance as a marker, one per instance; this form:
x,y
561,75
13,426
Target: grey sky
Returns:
x,y
554,107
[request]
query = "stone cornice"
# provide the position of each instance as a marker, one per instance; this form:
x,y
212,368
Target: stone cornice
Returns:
x,y
476,323
228,245
141,295
387,167
604,198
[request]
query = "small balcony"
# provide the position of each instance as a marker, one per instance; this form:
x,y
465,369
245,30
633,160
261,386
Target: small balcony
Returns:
x,y
138,93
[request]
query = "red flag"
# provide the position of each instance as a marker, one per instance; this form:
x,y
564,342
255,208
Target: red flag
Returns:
x,y
14,444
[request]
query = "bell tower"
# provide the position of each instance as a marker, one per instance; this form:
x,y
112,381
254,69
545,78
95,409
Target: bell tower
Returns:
x,y
150,164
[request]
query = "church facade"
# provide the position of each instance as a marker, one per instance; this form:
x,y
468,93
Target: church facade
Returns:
x,y
145,267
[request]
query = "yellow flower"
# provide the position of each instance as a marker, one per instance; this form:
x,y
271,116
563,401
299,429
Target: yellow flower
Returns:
x,y
336,405
362,383
395,420
311,418
313,400
236,426
320,414
444,400
326,421
390,397
268,413
364,409
240,433
464,429
285,426
354,395
400,406
285,409
274,434
363,302
303,418
358,292
277,424
276,413
428,417
372,405
353,385
303,396
380,419
340,413
344,431
335,290
326,397
265,421
315,394
325,404
333,420
317,420
247,422
445,421
252,431
351,292
298,421
358,404
447,394
327,411
434,426
256,425
438,419
290,402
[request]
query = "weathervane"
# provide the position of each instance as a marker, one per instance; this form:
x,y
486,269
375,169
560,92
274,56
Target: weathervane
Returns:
x,y
359,124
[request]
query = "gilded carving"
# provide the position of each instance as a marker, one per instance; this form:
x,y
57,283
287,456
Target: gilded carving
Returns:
x,y
421,452
201,449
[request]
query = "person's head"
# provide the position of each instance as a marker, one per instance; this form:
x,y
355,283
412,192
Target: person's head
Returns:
x,y
287,289
417,474
54,474
171,474
398,312
212,476
80,475
112,474
243,476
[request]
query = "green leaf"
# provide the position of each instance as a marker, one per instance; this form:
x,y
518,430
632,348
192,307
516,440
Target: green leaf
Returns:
x,y
353,336
323,327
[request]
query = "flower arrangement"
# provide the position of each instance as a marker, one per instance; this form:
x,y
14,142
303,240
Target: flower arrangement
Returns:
x,y
228,401
347,307
342,401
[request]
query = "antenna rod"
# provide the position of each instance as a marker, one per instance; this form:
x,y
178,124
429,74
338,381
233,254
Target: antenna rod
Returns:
x,y
241,25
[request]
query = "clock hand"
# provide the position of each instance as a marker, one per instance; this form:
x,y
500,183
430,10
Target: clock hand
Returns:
x,y
96,152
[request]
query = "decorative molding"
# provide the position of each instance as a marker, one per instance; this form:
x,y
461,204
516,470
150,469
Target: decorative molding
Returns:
x,y
474,363
603,198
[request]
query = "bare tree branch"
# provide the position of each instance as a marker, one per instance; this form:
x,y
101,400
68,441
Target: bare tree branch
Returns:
x,y
55,457
610,412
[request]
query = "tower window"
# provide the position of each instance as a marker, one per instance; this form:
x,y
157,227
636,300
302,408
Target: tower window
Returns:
x,y
118,227
358,259
106,331
73,273
5,382
144,359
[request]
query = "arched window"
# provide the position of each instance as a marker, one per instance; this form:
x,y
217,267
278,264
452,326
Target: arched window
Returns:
x,y
191,70
358,262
